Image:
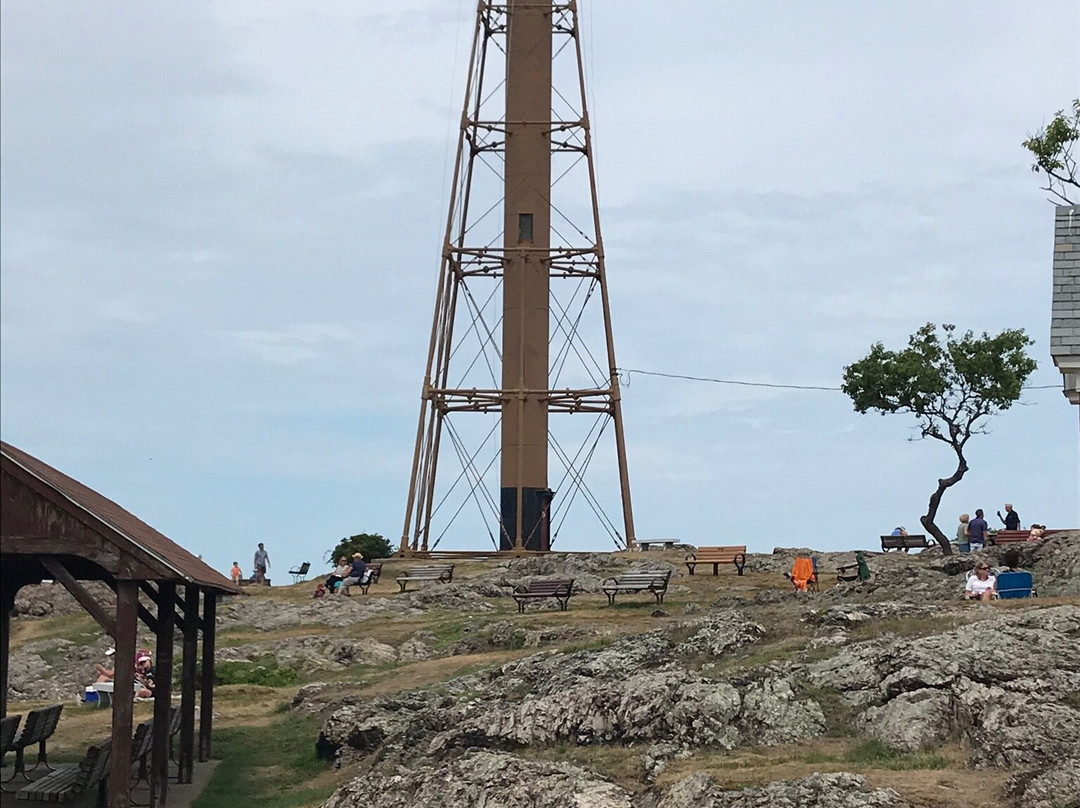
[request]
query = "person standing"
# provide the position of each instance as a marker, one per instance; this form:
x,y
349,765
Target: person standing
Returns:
x,y
262,564
962,543
1011,519
236,573
977,529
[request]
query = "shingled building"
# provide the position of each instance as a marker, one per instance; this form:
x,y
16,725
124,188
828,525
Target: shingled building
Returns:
x,y
1065,317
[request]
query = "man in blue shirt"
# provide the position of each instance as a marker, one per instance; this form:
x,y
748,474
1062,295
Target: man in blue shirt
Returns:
x,y
977,529
356,573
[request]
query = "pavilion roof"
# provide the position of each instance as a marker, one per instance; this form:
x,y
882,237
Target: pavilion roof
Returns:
x,y
88,505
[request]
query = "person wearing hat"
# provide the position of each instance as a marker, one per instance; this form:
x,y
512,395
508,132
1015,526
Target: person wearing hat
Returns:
x,y
356,573
144,674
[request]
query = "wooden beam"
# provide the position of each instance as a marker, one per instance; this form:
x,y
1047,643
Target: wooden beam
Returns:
x,y
7,605
187,683
127,599
144,614
159,764
206,706
59,572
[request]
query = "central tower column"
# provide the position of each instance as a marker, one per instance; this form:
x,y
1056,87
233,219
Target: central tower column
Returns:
x,y
525,496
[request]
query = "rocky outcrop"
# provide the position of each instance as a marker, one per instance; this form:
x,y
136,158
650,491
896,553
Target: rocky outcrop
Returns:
x,y
635,690
1056,787
482,778
1001,683
485,778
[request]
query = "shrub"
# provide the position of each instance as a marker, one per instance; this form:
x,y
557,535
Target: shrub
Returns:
x,y
370,545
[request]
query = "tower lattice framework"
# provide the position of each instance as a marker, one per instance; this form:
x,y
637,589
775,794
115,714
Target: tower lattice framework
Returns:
x,y
521,337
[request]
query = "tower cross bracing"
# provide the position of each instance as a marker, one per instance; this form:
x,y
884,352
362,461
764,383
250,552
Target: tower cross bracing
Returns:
x,y
521,335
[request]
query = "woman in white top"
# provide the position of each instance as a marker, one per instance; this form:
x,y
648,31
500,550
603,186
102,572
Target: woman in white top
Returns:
x,y
981,585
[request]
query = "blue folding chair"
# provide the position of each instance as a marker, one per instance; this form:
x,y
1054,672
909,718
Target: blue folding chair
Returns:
x,y
1017,584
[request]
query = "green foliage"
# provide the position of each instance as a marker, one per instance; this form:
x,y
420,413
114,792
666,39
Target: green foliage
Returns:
x,y
1052,148
372,545
873,753
264,671
948,383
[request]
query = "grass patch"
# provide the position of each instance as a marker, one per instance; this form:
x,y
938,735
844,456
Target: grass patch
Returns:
x,y
838,713
872,753
263,671
271,766
912,626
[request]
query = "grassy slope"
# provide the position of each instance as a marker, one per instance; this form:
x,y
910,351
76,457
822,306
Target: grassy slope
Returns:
x,y
268,755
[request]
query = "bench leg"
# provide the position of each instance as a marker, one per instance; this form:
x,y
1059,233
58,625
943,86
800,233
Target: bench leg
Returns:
x,y
521,607
659,597
20,767
610,598
690,567
402,585
563,604
716,568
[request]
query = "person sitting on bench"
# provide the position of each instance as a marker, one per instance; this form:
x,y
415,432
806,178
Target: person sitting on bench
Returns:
x,y
340,573
356,573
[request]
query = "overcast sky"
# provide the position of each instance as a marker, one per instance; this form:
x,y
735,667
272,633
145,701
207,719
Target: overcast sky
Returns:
x,y
221,225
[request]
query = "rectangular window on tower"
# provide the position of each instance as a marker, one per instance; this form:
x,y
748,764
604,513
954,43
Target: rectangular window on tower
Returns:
x,y
525,227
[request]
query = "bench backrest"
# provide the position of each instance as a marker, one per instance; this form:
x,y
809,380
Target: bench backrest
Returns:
x,y
143,740
40,725
95,765
429,570
643,579
303,568
719,553
549,586
901,542
8,729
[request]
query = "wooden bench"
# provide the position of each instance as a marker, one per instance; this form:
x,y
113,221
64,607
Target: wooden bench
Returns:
x,y
646,544
905,543
655,582
559,588
39,727
717,556
444,573
1014,536
9,728
69,782
371,576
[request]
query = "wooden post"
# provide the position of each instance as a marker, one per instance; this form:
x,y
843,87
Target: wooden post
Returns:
x,y
127,604
187,683
206,706
8,589
159,757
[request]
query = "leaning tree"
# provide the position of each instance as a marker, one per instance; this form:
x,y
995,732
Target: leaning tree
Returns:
x,y
950,383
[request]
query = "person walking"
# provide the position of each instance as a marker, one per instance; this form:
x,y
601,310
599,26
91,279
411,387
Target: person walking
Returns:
x,y
1011,519
236,573
262,564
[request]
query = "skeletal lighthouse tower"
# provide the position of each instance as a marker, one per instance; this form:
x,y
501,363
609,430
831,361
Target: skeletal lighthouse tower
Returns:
x,y
516,333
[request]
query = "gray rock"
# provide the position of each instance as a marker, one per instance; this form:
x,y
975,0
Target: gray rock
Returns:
x,y
910,721
483,779
840,790
1057,787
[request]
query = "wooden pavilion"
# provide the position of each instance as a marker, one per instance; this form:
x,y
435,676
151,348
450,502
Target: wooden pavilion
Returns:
x,y
53,527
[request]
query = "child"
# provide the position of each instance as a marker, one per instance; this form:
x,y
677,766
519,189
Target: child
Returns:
x,y
320,590
236,572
